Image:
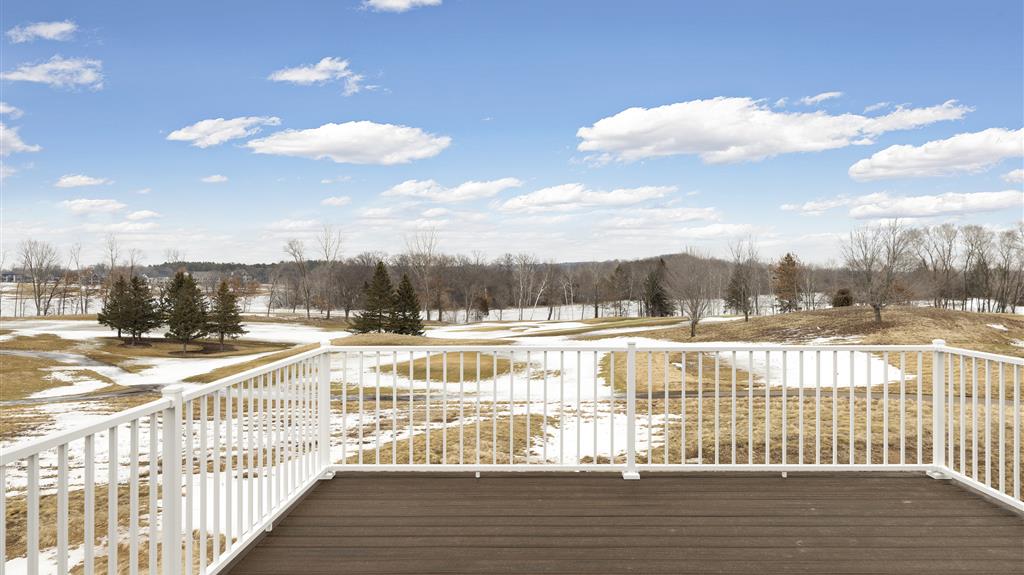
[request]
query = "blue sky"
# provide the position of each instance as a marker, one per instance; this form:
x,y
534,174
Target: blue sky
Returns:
x,y
576,130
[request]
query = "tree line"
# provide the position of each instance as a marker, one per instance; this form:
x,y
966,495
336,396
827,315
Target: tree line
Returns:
x,y
964,267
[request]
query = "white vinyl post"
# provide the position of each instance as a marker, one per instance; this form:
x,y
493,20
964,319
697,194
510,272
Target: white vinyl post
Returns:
x,y
939,410
324,406
630,472
172,423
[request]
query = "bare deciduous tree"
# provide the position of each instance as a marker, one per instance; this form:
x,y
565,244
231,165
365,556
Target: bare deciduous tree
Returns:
x,y
877,256
39,260
297,251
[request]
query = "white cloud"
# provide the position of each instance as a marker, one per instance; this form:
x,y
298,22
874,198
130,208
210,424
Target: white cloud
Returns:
x,y
92,206
10,142
648,218
963,153
206,133
781,102
336,201
435,212
80,180
567,197
1014,176
121,227
144,191
214,179
9,110
361,142
471,190
336,180
723,130
326,70
876,106
43,30
812,100
397,5
142,215
883,205
290,225
6,171
60,72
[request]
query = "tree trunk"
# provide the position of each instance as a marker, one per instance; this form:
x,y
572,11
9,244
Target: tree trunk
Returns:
x,y
693,329
878,313
222,342
746,315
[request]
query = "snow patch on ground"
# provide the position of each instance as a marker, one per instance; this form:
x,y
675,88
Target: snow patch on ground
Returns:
x,y
998,326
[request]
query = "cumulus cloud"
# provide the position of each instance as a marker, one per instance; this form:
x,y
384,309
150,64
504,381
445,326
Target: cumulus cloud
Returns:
x,y
647,218
92,206
723,130
361,142
11,142
60,72
336,201
1014,176
206,133
397,5
884,205
876,107
814,100
568,197
326,70
214,179
471,190
80,180
62,30
963,153
9,110
142,215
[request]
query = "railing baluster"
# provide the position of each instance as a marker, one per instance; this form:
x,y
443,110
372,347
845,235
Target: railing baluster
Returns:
x,y
817,407
682,410
920,410
544,402
462,407
32,516
665,421
204,462
700,407
479,394
154,489
853,437
885,408
229,466
1002,430
216,455
867,407
903,407
750,407
376,411
835,407
112,498
62,509
133,499
360,390
785,408
988,423
963,417
89,511
767,407
189,471
1016,433
718,426
325,418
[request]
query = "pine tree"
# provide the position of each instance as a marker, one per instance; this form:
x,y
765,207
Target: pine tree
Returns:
x,y
405,316
170,292
378,297
143,313
115,309
225,314
656,300
187,317
787,283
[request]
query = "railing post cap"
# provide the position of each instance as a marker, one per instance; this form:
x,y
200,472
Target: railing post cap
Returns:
x,y
173,391
939,342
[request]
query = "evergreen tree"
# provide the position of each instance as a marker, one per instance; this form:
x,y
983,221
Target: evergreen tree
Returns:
x,y
378,297
225,314
787,283
842,298
656,300
115,309
405,316
143,313
187,317
170,292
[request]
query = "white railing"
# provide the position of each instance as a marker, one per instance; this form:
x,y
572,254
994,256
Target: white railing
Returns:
x,y
184,484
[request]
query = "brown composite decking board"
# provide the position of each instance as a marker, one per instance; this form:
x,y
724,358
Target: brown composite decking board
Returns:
x,y
664,523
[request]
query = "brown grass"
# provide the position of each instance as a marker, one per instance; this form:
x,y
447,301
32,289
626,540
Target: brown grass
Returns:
x,y
453,367
607,323
21,376
494,447
230,370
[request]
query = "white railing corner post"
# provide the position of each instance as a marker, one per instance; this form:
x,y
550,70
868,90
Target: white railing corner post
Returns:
x,y
630,471
324,410
939,410
171,463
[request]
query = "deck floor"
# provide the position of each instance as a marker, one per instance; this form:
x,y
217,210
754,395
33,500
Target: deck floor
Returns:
x,y
664,523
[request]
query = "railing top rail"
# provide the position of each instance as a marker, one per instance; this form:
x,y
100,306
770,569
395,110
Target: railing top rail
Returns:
x,y
619,347
250,373
1013,360
23,450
